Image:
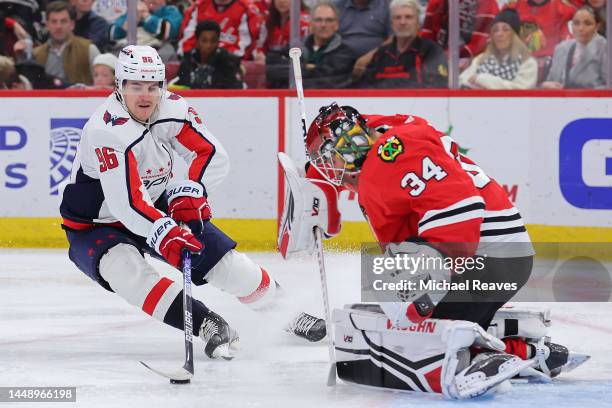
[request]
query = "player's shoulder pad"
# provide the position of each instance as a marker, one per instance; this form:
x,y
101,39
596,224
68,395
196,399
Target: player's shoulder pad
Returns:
x,y
111,126
172,106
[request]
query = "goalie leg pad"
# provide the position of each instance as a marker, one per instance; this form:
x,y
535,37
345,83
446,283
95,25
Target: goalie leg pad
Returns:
x,y
238,275
527,324
430,356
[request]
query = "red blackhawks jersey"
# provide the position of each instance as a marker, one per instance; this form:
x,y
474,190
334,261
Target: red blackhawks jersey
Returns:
x,y
415,184
242,28
122,167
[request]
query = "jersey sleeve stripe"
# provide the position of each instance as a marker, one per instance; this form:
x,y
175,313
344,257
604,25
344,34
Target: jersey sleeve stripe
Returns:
x,y
502,218
500,213
192,140
505,231
501,225
134,185
468,204
475,213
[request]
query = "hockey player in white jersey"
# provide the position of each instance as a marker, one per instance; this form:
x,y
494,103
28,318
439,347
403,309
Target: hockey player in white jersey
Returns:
x,y
124,200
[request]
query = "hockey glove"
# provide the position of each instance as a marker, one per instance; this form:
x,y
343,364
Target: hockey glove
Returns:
x,y
168,240
187,202
308,204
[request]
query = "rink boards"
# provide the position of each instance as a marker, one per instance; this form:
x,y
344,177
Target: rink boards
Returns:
x,y
551,151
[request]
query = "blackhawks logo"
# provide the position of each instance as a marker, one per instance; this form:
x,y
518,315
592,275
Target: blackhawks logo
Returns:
x,y
392,148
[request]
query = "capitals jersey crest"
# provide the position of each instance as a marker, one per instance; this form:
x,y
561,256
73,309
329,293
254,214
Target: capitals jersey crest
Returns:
x,y
114,119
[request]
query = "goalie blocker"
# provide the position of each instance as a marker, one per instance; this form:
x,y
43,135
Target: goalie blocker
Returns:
x,y
369,351
309,203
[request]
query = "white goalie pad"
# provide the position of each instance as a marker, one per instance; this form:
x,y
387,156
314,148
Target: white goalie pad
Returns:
x,y
306,207
518,322
430,356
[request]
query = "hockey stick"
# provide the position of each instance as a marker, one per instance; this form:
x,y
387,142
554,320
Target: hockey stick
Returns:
x,y
295,54
183,375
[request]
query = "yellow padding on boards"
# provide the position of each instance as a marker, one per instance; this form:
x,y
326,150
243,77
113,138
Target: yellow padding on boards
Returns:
x,y
260,234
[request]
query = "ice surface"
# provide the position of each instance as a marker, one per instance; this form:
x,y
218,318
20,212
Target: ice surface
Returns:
x,y
58,328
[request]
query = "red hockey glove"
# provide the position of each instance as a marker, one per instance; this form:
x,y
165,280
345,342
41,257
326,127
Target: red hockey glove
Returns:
x,y
168,240
187,202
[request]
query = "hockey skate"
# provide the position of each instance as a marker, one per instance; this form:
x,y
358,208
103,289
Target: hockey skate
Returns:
x,y
307,327
487,373
219,338
553,359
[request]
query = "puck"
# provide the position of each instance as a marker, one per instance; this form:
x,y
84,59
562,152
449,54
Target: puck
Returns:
x,y
172,381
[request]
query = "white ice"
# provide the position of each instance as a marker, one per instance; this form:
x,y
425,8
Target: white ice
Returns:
x,y
59,328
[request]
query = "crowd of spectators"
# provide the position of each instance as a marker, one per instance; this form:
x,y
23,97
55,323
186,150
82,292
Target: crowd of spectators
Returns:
x,y
238,44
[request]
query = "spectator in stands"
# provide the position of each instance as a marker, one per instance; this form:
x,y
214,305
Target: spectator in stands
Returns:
x,y
89,25
13,37
208,66
364,24
408,61
543,24
104,71
475,18
9,78
506,63
26,13
158,24
65,55
241,22
580,62
326,60
599,6
110,10
278,25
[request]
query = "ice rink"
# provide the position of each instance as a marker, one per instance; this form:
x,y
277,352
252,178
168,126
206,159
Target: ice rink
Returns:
x,y
59,328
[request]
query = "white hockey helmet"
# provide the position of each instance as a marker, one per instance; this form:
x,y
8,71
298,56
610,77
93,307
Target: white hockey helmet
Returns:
x,y
139,63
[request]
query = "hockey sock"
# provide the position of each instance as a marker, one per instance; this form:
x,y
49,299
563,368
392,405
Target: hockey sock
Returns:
x,y
174,315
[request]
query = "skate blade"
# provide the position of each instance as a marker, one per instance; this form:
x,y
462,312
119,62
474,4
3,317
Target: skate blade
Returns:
x,y
227,351
574,360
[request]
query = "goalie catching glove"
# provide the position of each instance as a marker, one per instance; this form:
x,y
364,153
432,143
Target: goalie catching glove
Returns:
x,y
309,203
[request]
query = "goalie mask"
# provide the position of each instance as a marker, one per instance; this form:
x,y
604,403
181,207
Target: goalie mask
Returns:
x,y
338,142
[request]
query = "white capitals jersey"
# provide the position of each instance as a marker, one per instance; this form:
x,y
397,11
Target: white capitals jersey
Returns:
x,y
122,167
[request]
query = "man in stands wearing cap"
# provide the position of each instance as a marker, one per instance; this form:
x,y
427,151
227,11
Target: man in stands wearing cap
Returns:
x,y
506,63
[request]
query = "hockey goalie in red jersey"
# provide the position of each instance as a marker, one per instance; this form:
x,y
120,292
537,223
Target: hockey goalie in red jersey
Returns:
x,y
422,198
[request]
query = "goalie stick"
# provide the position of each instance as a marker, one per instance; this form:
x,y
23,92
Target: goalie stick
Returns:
x,y
183,375
295,54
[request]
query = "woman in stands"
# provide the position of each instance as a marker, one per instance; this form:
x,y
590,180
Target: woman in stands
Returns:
x,y
278,25
506,63
581,61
